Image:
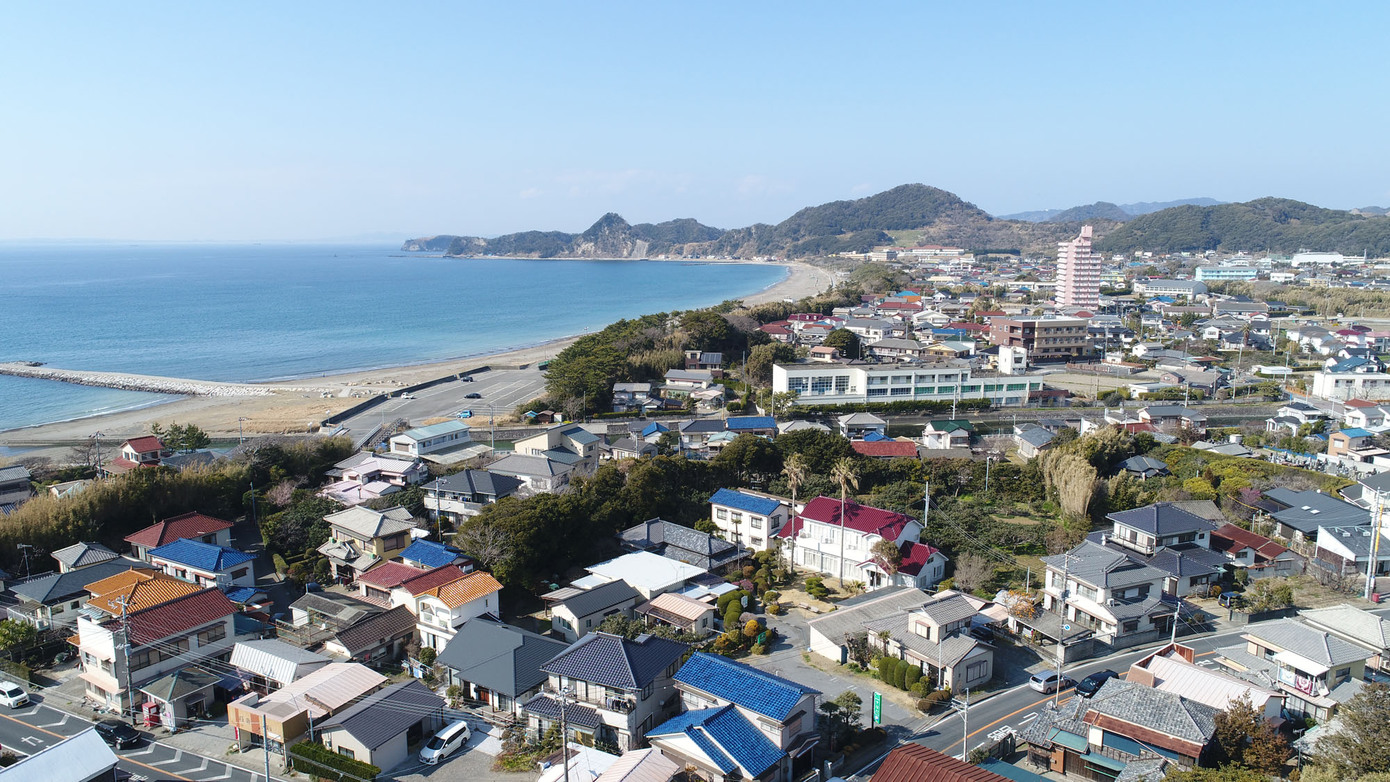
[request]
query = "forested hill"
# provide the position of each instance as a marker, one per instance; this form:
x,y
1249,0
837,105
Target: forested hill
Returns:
x,y
1266,224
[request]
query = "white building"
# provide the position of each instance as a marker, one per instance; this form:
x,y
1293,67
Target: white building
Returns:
x,y
1226,273
748,518
837,384
1351,385
823,539
428,439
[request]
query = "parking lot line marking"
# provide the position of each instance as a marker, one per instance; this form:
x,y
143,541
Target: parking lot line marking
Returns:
x,y
54,724
227,775
178,755
61,736
145,751
200,769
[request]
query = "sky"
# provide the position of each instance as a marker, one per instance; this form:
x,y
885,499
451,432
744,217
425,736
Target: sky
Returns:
x,y
258,121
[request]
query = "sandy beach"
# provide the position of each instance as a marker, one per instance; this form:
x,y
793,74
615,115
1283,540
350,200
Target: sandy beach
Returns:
x,y
295,405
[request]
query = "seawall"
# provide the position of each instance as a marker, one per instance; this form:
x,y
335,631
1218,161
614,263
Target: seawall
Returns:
x,y
128,382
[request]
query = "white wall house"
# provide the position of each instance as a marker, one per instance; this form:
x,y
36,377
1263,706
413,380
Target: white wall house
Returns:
x,y
748,518
824,540
428,439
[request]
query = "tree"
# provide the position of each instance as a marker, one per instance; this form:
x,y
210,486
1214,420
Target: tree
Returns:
x,y
669,443
795,468
1244,738
844,339
820,449
972,572
15,634
752,628
887,555
750,455
846,475
486,543
1362,744
181,437
758,370
707,330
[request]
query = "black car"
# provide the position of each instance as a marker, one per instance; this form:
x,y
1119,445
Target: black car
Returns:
x,y
1092,683
474,395
981,633
118,734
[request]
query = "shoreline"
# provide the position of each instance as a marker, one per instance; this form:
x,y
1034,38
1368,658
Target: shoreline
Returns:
x,y
294,409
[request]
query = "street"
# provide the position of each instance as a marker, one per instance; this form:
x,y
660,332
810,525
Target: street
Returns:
x,y
499,390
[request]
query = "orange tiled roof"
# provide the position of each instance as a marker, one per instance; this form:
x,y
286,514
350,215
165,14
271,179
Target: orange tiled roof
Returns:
x,y
139,591
466,589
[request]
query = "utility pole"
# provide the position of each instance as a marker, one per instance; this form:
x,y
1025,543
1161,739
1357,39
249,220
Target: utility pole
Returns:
x,y
125,650
239,438
1062,635
1375,544
25,548
564,733
97,439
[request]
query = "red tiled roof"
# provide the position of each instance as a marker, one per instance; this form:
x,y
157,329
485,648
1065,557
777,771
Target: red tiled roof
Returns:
x,y
915,555
961,325
145,444
1229,537
886,449
826,510
916,763
388,575
774,328
1360,403
176,616
187,525
431,579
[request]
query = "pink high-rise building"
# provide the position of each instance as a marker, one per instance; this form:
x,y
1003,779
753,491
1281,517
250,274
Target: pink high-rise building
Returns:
x,y
1078,272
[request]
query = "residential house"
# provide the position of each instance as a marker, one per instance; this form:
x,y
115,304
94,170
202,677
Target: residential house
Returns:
x,y
1166,536
536,474
1173,417
642,765
135,453
630,448
1341,386
139,636
685,614
764,515
696,434
361,538
616,689
934,636
738,722
856,426
426,440
575,612
15,489
944,435
205,564
703,360
379,728
872,329
55,599
911,762
329,612
269,665
679,383
681,543
895,349
1314,668
80,555
1346,552
569,443
81,757
885,448
838,539
1353,444
426,554
187,526
1358,626
368,476
1297,515
466,493
1259,556
377,638
285,715
763,425
1032,440
648,573
1099,589
631,396
1362,414
1143,467
496,664
443,608
830,636
1173,669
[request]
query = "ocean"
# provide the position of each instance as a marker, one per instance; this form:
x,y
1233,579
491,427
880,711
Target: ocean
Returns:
x,y
254,312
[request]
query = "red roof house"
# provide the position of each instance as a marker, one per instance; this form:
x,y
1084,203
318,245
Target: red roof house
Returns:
x,y
885,449
188,526
915,763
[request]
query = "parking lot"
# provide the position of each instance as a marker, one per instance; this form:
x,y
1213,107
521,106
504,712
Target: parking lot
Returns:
x,y
499,391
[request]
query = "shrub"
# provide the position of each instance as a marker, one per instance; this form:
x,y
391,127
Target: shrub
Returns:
x,y
774,608
758,649
281,566
914,674
16,670
771,595
918,688
427,656
752,629
324,763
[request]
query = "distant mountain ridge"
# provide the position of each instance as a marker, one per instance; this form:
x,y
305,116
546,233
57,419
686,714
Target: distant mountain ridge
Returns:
x,y
1105,209
918,213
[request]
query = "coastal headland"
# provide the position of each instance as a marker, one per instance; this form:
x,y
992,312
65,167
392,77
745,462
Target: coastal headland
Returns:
x,y
292,405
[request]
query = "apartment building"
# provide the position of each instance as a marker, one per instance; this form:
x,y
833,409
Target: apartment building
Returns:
x,y
1078,272
1045,339
817,383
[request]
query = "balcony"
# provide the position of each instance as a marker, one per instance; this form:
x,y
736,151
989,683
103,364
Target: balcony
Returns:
x,y
619,704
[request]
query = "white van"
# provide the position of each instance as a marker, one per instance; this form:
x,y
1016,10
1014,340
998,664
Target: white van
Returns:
x,y
443,743
12,695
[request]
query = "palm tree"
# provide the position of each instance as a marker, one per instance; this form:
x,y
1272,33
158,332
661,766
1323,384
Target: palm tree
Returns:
x,y
845,474
797,471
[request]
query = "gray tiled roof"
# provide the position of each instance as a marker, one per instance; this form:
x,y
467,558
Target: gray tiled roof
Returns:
x,y
385,714
523,464
591,601
1102,566
339,608
1352,622
498,656
1188,560
614,661
1162,519
576,714
681,543
953,648
1307,642
849,619
83,554
1065,717
949,609
366,633
59,586
1307,510
476,482
1165,712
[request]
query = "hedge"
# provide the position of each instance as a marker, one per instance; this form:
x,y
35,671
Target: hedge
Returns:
x,y
903,406
322,762
16,670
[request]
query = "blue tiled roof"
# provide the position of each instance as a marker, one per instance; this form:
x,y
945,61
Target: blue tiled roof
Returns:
x,y
744,502
240,594
1355,432
201,556
875,437
746,422
654,428
742,684
726,737
430,554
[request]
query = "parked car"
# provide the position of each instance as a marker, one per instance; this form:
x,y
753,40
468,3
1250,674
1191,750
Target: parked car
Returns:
x,y
1050,682
407,396
1091,684
118,734
445,742
12,695
981,633
474,395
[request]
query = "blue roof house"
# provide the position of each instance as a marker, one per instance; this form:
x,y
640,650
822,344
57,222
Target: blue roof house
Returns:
x,y
205,564
753,424
748,519
429,555
730,713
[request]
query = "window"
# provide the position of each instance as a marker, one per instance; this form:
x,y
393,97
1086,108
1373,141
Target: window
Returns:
x,y
588,623
842,384
240,573
820,386
1343,673
721,514
755,541
756,522
976,670
1129,626
345,752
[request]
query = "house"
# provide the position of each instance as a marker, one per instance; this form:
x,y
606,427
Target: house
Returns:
x,y
285,715
945,435
631,448
885,448
148,644
696,434
536,474
187,526
631,396
442,608
1315,669
81,757
1032,440
1117,598
574,612
377,729
697,359
270,665
497,664
1143,467
1358,626
911,762
465,493
1361,414
569,443
14,487
1173,669
1341,386
856,426
1297,515
205,564
1173,417
80,555
650,574
896,349
641,765
361,538
934,636
135,453
368,476
685,614
1346,552
830,635
838,540
55,600
1172,539
426,440
426,554
681,543
329,611
738,722
764,514
616,689
1257,554
1353,444
680,382
378,637
764,425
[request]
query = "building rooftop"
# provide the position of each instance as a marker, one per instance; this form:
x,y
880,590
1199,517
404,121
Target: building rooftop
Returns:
x,y
201,556
645,571
726,738
385,714
369,523
743,685
617,662
749,503
499,657
188,525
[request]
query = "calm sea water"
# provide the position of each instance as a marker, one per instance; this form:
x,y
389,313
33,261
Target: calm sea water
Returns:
x,y
266,312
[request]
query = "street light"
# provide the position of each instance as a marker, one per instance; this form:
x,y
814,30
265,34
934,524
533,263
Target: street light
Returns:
x,y
97,439
239,438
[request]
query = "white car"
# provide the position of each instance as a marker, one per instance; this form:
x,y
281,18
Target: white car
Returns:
x,y
443,744
12,695
407,396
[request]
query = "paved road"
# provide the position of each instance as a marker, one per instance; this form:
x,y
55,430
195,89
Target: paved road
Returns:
x,y
38,725
500,389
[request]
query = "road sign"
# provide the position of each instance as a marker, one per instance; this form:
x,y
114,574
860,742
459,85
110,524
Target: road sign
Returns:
x,y
878,710
1066,628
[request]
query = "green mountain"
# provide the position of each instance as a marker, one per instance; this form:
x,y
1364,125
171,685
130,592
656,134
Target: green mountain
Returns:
x,y
1266,224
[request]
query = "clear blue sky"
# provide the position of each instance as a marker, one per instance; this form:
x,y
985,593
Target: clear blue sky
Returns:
x,y
270,121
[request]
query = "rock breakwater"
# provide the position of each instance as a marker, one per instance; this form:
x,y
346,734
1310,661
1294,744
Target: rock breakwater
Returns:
x,y
128,382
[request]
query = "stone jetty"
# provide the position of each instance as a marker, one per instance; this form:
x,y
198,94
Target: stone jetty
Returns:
x,y
128,382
